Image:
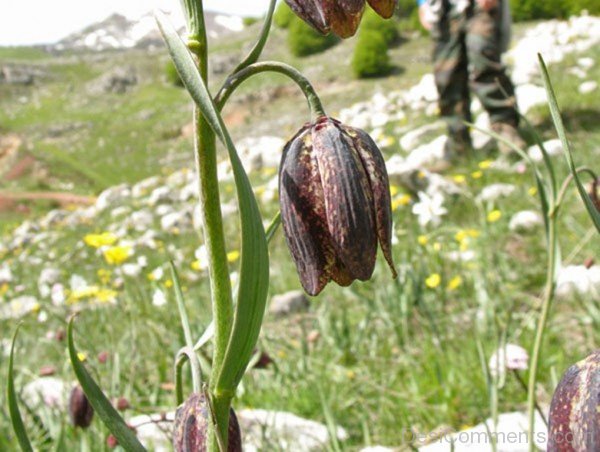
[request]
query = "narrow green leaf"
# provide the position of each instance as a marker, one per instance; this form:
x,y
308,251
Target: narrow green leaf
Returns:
x,y
102,406
254,261
254,54
185,322
272,229
13,407
560,130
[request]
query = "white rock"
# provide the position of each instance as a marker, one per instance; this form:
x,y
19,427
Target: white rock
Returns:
x,y
18,307
260,152
588,87
528,96
160,194
481,140
179,219
511,434
414,138
283,431
140,220
525,221
288,303
143,188
154,430
49,391
496,191
585,62
429,155
6,275
553,147
112,195
577,280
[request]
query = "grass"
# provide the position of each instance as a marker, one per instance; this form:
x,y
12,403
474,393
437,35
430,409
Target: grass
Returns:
x,y
393,358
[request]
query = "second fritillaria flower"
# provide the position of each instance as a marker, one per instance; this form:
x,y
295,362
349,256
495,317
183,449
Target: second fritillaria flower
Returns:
x,y
335,204
340,16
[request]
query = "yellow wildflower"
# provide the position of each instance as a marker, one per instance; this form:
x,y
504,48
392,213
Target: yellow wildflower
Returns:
x,y
116,255
36,308
394,189
81,356
485,164
477,174
459,179
433,280
422,239
437,246
454,283
402,200
106,295
494,216
3,289
532,191
233,256
98,240
168,283
104,275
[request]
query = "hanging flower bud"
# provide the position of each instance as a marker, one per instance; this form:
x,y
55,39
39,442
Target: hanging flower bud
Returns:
x,y
335,204
191,426
340,16
80,409
575,408
385,8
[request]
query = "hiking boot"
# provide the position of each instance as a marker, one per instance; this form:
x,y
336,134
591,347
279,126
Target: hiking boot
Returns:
x,y
510,133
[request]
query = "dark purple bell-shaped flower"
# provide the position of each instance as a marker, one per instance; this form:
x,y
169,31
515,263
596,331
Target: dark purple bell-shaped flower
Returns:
x,y
335,204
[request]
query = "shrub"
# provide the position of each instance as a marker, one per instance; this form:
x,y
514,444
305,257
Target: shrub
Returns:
x,y
172,75
535,9
283,15
371,21
303,40
250,20
370,55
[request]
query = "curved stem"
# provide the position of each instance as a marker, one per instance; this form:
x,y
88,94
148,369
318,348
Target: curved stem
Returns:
x,y
541,327
235,80
565,186
183,355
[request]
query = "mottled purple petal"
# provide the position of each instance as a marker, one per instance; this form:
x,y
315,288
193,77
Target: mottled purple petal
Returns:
x,y
348,201
297,199
312,12
385,8
380,187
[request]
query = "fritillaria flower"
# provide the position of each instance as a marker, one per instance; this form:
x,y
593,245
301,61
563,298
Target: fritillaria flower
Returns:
x,y
80,409
335,204
191,426
340,16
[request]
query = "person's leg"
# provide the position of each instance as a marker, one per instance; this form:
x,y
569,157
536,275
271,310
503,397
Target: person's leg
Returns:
x,y
452,80
488,78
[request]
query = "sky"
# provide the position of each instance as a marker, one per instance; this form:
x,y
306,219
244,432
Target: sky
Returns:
x,y
24,22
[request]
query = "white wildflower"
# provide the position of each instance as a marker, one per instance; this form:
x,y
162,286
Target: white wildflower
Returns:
x,y
429,209
158,298
525,221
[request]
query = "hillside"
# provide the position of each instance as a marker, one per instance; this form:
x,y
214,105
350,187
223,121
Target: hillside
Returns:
x,y
98,193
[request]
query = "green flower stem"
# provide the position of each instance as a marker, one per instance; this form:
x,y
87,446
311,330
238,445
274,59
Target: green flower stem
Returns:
x,y
541,327
235,80
212,220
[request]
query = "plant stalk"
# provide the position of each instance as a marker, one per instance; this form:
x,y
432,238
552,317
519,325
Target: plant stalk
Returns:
x,y
212,221
541,327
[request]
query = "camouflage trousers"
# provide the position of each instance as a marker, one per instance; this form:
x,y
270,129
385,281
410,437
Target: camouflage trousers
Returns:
x,y
467,57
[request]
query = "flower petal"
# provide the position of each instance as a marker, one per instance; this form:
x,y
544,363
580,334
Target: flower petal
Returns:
x,y
385,8
300,223
312,12
374,166
348,200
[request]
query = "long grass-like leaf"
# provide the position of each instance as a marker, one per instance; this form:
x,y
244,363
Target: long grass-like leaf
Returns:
x,y
254,54
254,262
13,407
102,406
560,130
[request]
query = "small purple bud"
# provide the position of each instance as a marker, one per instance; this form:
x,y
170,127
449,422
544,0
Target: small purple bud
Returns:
x,y
80,409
